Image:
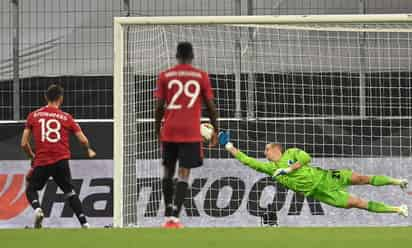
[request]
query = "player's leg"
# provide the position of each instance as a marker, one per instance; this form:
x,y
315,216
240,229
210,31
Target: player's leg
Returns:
x,y
376,207
376,180
342,199
62,177
168,187
190,156
169,154
181,189
35,181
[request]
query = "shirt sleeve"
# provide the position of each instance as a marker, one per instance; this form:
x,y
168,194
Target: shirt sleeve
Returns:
x,y
303,157
73,125
207,88
29,121
160,92
265,167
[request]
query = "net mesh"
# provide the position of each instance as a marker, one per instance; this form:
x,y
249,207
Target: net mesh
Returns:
x,y
341,92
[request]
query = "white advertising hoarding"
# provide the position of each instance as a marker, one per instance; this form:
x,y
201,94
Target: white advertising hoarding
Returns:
x,y
226,193
223,193
92,179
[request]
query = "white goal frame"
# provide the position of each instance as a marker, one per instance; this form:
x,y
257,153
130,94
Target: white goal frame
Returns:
x,y
118,74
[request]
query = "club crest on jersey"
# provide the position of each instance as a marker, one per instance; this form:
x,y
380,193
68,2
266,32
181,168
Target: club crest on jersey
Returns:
x,y
290,162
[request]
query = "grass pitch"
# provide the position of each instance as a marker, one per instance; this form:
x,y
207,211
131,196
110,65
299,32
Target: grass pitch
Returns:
x,y
352,237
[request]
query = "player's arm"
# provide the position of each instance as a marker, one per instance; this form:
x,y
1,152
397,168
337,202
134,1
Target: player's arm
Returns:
x,y
213,115
160,94
295,166
284,171
159,111
85,143
207,94
25,143
302,158
264,167
83,140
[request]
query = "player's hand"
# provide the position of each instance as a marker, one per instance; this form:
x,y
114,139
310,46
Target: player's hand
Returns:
x,y
224,140
213,140
281,171
91,153
223,137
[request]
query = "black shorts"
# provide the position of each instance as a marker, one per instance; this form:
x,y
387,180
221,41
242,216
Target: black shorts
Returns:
x,y
60,171
190,155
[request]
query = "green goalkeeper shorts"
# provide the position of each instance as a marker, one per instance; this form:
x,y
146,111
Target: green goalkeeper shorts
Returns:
x,y
332,188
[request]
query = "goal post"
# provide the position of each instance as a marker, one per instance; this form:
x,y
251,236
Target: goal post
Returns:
x,y
338,86
118,124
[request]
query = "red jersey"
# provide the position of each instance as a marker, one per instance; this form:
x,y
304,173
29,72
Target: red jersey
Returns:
x,y
183,87
50,129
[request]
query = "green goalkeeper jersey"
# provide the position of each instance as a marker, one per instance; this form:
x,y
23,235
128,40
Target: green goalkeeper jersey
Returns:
x,y
302,180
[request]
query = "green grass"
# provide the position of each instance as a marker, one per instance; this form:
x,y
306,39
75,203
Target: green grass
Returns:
x,y
352,237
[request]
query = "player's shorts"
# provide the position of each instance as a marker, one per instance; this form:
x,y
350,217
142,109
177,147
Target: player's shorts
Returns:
x,y
189,155
59,171
332,189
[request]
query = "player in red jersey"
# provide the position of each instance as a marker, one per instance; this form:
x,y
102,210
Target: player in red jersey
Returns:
x,y
50,128
180,92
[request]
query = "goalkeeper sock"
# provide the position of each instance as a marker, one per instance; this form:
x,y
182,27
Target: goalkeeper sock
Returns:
x,y
76,205
379,207
181,189
383,180
167,187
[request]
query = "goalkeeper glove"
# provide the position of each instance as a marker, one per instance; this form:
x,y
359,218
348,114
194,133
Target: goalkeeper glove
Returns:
x,y
282,171
224,139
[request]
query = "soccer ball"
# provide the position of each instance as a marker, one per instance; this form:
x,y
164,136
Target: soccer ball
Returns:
x,y
206,130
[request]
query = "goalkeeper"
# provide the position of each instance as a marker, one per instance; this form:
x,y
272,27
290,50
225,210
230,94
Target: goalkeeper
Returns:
x,y
292,169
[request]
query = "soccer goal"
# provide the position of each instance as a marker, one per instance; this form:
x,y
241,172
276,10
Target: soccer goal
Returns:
x,y
338,86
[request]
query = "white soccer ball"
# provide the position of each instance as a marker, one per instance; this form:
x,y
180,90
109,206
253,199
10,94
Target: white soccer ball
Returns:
x,y
206,130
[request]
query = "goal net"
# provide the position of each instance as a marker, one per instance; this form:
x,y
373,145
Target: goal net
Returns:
x,y
338,87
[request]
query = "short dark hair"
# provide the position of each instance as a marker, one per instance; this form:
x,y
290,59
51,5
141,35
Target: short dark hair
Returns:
x,y
184,50
54,92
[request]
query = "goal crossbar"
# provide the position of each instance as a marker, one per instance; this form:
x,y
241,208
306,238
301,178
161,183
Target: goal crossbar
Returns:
x,y
266,19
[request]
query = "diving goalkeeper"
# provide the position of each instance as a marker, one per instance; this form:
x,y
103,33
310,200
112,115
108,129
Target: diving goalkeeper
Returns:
x,y
292,169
